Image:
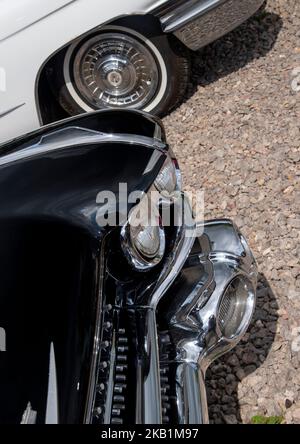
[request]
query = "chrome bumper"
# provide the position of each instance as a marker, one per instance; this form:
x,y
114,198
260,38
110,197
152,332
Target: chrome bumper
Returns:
x,y
199,22
191,312
170,330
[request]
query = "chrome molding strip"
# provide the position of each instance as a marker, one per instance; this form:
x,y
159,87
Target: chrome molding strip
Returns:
x,y
148,393
181,17
9,111
166,7
153,161
52,398
176,16
97,339
149,405
176,261
75,136
29,416
196,23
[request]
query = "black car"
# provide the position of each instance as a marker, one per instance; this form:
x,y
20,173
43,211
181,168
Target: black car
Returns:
x,y
102,320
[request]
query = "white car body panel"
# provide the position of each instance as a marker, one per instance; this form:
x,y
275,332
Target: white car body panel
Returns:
x,y
30,32
18,14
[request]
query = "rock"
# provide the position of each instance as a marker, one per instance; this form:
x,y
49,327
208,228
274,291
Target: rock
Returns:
x,y
230,389
230,378
259,324
288,403
240,374
249,358
230,419
233,360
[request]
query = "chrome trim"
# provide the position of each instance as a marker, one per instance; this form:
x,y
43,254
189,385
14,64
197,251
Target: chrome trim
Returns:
x,y
199,22
2,340
29,416
158,132
147,361
152,162
97,339
190,10
148,389
5,113
192,318
52,396
174,262
76,136
191,394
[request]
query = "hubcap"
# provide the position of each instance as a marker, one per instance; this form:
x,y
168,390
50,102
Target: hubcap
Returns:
x,y
115,79
116,70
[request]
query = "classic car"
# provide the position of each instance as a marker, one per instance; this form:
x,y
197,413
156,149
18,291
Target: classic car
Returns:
x,y
60,58
104,320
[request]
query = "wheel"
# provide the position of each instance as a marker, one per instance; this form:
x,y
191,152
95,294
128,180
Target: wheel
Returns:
x,y
120,68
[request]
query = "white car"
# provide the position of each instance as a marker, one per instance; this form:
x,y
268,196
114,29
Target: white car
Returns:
x,y
64,57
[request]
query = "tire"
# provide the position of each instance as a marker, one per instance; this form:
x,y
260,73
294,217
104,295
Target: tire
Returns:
x,y
168,61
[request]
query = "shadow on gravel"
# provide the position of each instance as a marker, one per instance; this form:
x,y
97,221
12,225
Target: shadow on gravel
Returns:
x,y
252,40
225,374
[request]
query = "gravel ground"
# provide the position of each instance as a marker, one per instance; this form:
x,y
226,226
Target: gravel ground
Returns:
x,y
237,136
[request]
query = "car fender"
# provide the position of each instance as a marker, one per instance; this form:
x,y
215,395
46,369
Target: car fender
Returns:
x,y
18,15
30,35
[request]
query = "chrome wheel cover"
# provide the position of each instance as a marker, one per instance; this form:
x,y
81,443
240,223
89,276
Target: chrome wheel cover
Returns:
x,y
113,70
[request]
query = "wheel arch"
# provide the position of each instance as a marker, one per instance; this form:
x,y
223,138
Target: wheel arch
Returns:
x,y
49,109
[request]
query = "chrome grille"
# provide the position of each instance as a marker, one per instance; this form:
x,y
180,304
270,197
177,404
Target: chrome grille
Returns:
x,y
226,311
